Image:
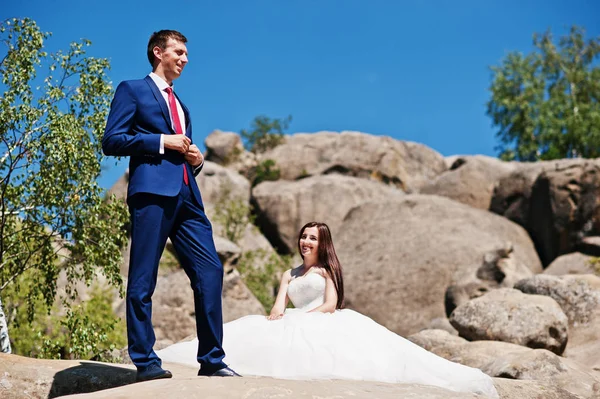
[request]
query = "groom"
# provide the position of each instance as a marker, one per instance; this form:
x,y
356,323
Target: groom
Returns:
x,y
148,123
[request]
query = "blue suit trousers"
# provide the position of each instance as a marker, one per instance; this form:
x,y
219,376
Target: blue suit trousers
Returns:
x,y
182,219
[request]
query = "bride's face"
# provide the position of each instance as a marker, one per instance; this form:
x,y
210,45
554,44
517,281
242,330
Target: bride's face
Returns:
x,y
309,242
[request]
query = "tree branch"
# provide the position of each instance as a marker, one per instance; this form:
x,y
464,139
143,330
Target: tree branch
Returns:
x,y
23,138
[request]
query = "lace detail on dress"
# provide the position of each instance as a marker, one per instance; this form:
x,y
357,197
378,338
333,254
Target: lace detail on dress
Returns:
x,y
307,292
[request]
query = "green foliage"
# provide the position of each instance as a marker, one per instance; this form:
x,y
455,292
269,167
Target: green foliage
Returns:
x,y
168,262
547,104
53,215
304,174
233,156
265,171
86,331
233,214
265,133
261,273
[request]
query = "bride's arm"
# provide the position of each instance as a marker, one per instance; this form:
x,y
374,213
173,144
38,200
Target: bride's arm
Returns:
x,y
330,298
282,299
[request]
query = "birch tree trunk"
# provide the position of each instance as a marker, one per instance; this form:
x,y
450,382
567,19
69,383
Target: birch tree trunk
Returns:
x,y
4,341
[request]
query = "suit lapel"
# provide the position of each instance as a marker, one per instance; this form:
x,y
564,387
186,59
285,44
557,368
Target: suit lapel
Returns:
x,y
161,102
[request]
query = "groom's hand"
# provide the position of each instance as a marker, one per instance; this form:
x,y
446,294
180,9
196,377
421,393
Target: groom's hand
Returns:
x,y
177,142
193,156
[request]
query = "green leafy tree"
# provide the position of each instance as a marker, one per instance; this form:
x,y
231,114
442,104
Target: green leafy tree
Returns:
x,y
547,104
261,272
595,263
232,213
265,133
87,330
265,171
53,215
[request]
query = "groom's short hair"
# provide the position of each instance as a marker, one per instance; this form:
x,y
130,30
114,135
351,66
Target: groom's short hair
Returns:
x,y
160,39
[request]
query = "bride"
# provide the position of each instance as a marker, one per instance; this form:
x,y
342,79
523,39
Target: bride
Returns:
x,y
320,340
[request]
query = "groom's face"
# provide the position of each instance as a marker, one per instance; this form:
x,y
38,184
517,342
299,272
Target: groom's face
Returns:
x,y
173,58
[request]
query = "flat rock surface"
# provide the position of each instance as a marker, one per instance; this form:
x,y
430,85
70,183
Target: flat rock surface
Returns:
x,y
22,377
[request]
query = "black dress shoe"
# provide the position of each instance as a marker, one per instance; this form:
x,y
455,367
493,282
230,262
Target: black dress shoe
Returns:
x,y
152,372
224,372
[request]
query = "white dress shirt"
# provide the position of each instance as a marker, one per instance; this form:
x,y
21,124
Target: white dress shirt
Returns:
x,y
162,85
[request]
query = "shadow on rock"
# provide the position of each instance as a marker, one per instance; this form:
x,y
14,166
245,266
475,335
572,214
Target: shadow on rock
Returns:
x,y
90,377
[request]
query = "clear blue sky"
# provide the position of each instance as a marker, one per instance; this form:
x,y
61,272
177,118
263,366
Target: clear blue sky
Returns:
x,y
414,70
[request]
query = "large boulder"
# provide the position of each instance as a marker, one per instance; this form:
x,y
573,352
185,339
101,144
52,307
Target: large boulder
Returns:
x,y
508,315
223,147
584,345
403,164
470,180
22,378
545,366
478,354
269,388
512,194
557,202
228,252
577,295
119,189
572,263
400,255
567,208
173,313
217,183
238,300
283,207
531,389
499,268
590,245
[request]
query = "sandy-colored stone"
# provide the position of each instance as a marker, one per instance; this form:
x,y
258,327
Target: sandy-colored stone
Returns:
x,y
508,315
238,300
523,389
550,372
22,378
572,263
285,206
223,147
577,295
499,268
406,165
470,179
399,256
217,183
119,189
556,201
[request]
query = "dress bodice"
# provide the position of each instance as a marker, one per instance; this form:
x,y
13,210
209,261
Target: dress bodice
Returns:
x,y
307,292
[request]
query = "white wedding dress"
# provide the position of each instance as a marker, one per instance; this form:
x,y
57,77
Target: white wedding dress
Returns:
x,y
340,345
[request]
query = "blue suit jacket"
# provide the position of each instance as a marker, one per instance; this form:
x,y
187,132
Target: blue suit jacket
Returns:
x,y
138,116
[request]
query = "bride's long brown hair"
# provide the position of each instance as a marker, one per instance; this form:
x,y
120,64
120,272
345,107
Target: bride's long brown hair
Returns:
x,y
327,258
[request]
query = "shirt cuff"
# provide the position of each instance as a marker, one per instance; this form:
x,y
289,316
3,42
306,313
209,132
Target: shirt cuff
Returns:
x,y
198,168
161,149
